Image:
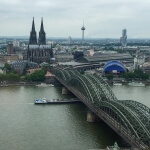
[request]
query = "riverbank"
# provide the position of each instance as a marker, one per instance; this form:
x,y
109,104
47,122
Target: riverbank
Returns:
x,y
6,84
24,83
124,82
48,80
18,84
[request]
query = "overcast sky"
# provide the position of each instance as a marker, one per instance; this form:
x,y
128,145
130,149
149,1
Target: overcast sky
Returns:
x,y
63,18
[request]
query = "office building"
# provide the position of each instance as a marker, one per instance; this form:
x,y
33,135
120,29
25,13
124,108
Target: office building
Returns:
x,y
123,39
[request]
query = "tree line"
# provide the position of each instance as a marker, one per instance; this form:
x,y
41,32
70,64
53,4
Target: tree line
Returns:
x,y
138,74
13,76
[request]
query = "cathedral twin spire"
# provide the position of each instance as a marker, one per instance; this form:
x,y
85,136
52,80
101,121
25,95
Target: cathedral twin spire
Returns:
x,y
42,35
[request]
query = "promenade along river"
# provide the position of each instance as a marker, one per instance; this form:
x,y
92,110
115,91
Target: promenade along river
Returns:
x,y
26,126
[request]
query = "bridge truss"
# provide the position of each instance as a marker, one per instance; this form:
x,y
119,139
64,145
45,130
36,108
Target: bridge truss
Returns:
x,y
130,118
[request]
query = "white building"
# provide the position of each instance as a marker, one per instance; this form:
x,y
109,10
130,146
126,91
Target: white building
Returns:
x,y
16,43
88,52
139,60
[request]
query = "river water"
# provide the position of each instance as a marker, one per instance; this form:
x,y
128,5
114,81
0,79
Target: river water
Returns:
x,y
26,126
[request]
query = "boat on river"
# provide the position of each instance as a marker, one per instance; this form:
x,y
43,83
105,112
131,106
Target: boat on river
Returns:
x,y
44,85
55,101
40,101
136,84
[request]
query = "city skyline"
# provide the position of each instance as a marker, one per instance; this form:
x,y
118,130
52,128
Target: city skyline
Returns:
x,y
102,19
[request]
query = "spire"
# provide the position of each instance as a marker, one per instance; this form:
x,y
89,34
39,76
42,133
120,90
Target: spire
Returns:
x,y
42,35
42,27
33,38
33,26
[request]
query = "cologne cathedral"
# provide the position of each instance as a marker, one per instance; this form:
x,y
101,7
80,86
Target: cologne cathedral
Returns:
x,y
38,50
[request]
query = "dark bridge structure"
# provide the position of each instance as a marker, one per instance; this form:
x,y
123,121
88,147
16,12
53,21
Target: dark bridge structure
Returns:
x,y
130,119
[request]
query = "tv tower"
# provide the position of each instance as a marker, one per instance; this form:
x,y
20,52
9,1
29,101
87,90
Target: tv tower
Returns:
x,y
83,28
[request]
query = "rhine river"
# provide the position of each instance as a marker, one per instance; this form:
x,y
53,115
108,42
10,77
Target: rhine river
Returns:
x,y
26,126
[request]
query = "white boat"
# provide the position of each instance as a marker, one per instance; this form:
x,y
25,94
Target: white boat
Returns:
x,y
115,83
44,85
40,101
55,101
136,84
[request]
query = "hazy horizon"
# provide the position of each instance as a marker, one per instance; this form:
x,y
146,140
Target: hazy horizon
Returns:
x,y
73,38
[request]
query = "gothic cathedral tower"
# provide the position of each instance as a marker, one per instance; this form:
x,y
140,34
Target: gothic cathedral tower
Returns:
x,y
39,52
42,35
33,38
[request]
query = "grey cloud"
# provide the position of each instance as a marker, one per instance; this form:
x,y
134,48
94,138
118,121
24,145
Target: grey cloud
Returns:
x,y
64,17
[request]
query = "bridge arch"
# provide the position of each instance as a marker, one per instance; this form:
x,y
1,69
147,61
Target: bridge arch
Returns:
x,y
132,117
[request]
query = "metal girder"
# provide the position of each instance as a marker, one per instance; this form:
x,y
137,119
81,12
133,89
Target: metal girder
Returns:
x,y
79,83
105,88
139,127
143,113
131,116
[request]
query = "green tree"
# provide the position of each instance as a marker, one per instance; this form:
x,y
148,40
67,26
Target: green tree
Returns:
x,y
2,77
27,78
45,68
13,77
8,67
145,76
38,75
109,76
137,74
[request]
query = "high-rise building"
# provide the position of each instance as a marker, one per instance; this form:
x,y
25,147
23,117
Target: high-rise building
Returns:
x,y
39,52
123,39
83,28
69,40
10,49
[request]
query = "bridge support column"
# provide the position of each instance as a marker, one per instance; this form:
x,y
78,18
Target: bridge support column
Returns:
x,y
65,90
92,117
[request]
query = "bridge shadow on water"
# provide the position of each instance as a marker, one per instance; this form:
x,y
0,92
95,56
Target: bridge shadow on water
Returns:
x,y
98,131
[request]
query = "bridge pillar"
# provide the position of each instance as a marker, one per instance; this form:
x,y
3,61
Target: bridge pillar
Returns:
x,y
65,90
92,117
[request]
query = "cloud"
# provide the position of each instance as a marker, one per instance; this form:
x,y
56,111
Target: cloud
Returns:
x,y
8,2
64,17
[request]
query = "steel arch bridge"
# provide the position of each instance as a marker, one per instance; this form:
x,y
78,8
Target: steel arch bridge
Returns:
x,y
130,119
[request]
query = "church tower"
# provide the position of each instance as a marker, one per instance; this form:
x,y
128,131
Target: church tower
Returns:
x,y
33,38
39,52
42,35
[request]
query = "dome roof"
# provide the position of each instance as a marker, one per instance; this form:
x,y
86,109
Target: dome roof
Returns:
x,y
114,65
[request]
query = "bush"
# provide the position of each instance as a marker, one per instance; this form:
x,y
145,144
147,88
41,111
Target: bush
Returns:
x,y
109,76
137,74
12,77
